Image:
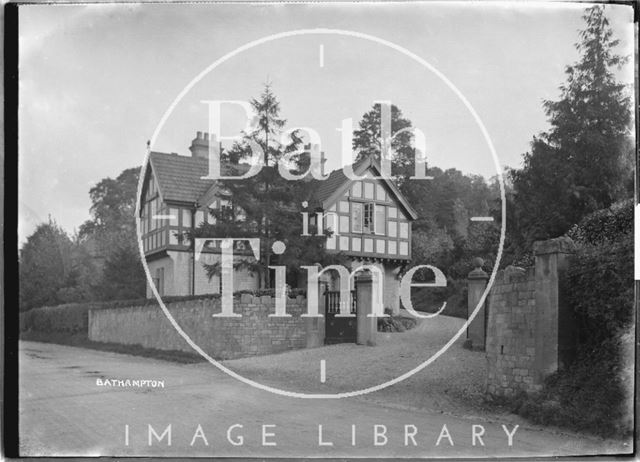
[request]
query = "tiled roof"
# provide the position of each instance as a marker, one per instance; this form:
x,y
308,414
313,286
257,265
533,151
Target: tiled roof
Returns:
x,y
325,189
179,177
337,178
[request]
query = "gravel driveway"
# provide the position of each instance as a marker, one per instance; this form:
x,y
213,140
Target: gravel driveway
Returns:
x,y
453,383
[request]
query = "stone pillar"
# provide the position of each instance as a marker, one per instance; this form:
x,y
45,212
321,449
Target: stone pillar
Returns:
x,y
554,318
367,327
476,285
315,327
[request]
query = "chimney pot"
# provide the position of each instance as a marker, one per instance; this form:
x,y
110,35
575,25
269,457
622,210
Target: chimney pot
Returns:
x,y
200,146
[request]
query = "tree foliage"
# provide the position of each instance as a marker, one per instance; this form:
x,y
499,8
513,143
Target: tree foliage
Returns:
x,y
44,266
367,140
267,206
581,164
111,234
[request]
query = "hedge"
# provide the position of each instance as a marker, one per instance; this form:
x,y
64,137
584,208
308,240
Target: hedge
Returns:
x,y
606,225
595,393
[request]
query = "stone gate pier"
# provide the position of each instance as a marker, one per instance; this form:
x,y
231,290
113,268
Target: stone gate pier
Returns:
x,y
527,331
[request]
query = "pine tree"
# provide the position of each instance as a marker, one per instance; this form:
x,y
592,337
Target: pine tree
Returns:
x,y
267,206
581,164
367,141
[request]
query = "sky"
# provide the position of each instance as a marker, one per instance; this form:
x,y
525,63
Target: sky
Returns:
x,y
96,80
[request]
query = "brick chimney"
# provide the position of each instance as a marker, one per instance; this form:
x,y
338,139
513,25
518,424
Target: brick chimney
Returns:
x,y
200,145
323,159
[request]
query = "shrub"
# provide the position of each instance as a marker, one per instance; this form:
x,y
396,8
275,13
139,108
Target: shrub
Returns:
x,y
430,300
595,392
395,323
605,225
600,289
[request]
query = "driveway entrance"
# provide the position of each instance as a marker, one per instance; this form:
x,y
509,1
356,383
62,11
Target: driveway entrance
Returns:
x,y
339,329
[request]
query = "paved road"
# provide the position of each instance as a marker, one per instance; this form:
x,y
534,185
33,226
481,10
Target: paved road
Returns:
x,y
64,412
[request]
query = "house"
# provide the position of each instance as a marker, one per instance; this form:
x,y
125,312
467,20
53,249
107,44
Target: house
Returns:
x,y
371,221
370,217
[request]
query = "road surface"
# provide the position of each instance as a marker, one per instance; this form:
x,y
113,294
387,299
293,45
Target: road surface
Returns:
x,y
65,412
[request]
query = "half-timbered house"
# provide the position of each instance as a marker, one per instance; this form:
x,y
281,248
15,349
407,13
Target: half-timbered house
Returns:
x,y
370,218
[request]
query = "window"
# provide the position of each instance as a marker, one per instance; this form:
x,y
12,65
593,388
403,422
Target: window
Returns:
x,y
368,190
173,237
226,209
393,212
356,217
380,245
367,221
356,189
186,218
343,207
380,194
344,224
380,219
392,247
330,220
404,248
173,221
404,230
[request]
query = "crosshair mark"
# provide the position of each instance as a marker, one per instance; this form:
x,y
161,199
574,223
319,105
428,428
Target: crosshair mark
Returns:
x,y
323,371
481,218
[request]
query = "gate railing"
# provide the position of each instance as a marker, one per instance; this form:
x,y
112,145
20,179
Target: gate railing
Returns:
x,y
332,301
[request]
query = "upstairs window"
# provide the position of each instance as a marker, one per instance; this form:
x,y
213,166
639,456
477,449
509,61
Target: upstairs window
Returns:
x,y
226,209
380,219
368,223
356,217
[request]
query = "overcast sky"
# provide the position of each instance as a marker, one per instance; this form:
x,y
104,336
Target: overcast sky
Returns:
x,y
95,80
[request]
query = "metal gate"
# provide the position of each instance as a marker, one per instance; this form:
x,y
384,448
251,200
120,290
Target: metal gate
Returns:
x,y
339,330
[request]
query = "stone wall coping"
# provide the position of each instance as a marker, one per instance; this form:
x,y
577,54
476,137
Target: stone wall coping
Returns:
x,y
478,273
515,274
562,244
243,299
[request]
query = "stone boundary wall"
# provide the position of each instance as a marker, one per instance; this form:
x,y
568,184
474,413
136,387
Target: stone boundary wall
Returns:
x,y
222,338
530,326
511,328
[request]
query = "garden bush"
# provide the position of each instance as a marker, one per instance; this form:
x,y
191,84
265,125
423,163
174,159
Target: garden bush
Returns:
x,y
595,393
430,300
